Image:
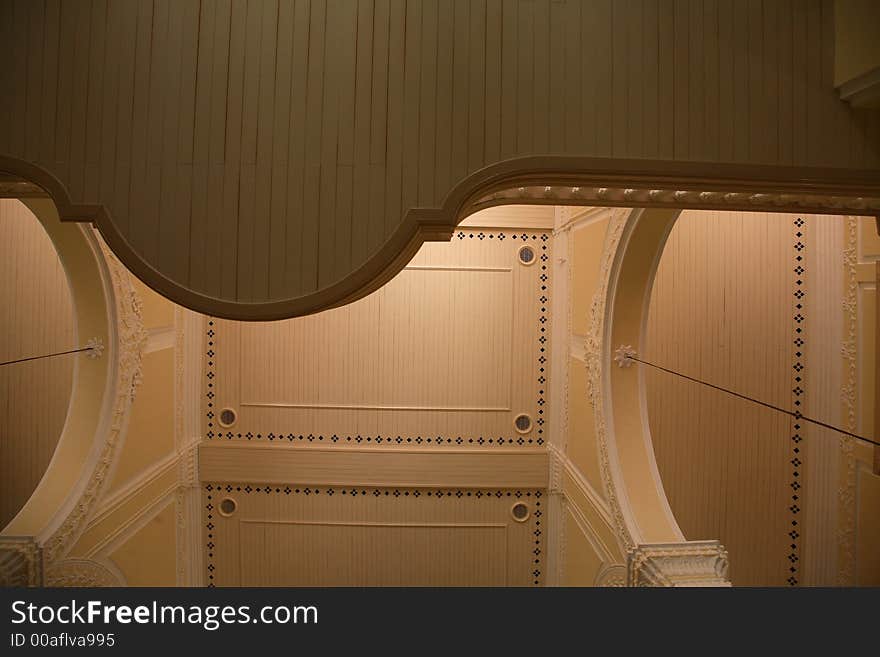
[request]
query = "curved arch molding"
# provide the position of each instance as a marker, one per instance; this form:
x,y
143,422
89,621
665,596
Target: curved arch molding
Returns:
x,y
266,159
107,307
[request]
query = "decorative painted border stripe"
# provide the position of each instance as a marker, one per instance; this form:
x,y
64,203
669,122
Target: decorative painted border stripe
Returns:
x,y
799,384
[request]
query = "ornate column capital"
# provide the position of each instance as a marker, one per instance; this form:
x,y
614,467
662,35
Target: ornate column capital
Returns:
x,y
21,561
689,563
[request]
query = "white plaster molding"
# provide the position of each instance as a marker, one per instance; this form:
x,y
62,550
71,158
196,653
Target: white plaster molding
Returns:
x,y
83,572
623,356
575,217
189,332
127,341
611,575
561,464
693,199
96,348
559,382
848,395
824,278
132,525
554,486
577,349
132,488
691,563
190,554
21,562
584,487
159,338
594,344
20,189
604,552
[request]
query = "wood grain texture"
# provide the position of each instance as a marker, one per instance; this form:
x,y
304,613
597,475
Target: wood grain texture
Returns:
x,y
274,152
722,310
296,535
37,318
345,466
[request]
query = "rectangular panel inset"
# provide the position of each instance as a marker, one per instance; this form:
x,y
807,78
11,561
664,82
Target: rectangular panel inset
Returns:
x,y
427,327
339,554
300,535
448,353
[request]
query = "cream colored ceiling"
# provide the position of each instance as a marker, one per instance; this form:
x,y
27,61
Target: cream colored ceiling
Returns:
x,y
386,427
350,536
36,317
450,350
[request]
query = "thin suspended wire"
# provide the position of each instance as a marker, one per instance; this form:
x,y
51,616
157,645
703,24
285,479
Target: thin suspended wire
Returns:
x,y
60,353
797,415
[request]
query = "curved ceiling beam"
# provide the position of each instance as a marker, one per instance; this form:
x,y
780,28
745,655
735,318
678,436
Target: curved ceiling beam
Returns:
x,y
264,159
558,180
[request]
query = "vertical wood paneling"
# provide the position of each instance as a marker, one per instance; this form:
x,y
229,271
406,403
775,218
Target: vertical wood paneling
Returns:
x,y
494,55
477,87
510,107
260,150
721,310
394,141
360,188
665,82
697,56
18,35
635,43
785,105
201,142
37,318
427,104
6,78
293,535
232,153
51,20
34,101
98,76
217,176
712,75
378,125
681,80
460,78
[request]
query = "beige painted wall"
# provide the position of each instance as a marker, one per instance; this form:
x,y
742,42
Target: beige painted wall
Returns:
x,y
586,243
150,436
147,558
36,317
582,564
585,521
134,524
